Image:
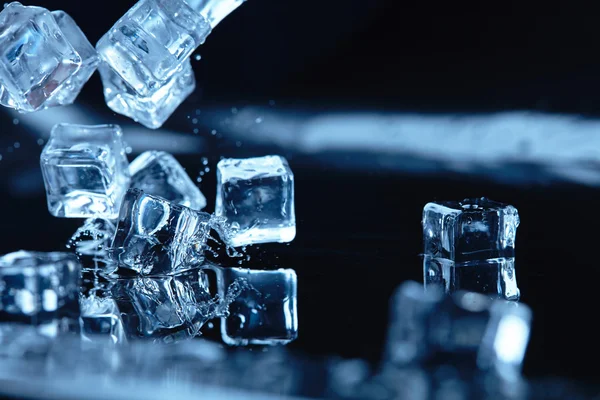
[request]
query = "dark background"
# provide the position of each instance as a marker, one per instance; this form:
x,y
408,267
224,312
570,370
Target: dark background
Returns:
x,y
359,231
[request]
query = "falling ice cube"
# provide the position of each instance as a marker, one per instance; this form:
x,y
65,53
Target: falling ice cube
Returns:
x,y
85,171
101,319
154,108
41,290
169,308
411,307
155,236
505,340
265,311
159,174
45,59
146,71
469,245
256,195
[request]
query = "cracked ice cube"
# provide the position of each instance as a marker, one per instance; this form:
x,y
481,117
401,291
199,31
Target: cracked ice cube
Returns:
x,y
158,173
256,195
85,171
155,236
469,245
265,312
45,59
146,71
154,108
100,317
41,290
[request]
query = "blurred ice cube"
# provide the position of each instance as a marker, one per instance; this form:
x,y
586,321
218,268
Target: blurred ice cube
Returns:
x,y
45,58
100,318
155,236
470,245
85,171
265,312
256,195
39,290
158,173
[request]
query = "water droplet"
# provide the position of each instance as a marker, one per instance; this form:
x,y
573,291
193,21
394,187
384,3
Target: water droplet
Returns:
x,y
213,132
238,144
210,325
128,150
16,121
197,57
198,112
204,161
196,131
17,145
40,141
207,169
258,120
194,121
271,103
234,110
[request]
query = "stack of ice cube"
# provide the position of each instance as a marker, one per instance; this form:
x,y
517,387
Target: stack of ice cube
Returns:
x,y
45,59
146,69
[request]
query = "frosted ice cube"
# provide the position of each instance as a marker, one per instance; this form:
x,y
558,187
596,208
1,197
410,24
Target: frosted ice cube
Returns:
x,y
155,107
45,59
411,308
155,236
100,317
265,312
505,340
158,173
170,308
256,195
41,290
469,245
85,171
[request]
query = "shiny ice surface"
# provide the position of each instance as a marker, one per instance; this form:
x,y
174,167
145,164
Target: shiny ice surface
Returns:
x,y
158,173
85,171
265,312
155,236
215,10
101,320
153,108
45,59
256,195
41,290
469,245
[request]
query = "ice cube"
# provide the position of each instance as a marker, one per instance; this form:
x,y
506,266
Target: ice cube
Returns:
x,y
469,245
411,308
100,318
91,243
154,108
256,195
155,236
214,10
265,312
45,59
146,71
85,171
505,340
167,308
158,173
41,290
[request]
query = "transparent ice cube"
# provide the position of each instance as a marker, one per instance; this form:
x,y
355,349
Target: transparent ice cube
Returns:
x,y
215,10
41,290
158,173
265,312
469,245
100,318
45,59
85,171
256,195
505,340
155,236
411,307
155,107
170,308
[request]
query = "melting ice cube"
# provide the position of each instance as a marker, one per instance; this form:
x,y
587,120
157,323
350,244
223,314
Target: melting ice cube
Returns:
x,y
469,245
85,171
256,195
45,59
41,290
265,312
155,236
158,173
